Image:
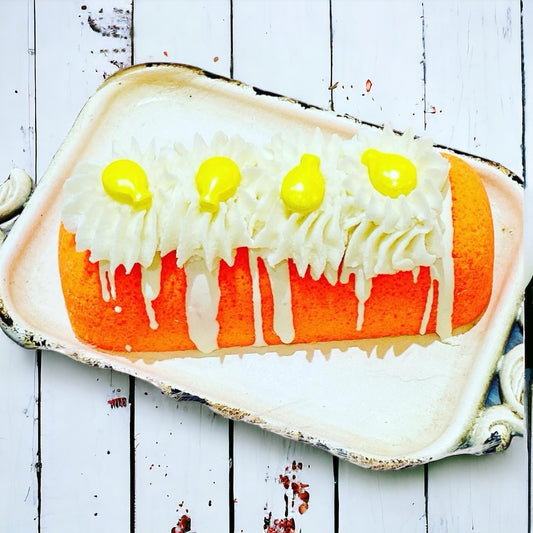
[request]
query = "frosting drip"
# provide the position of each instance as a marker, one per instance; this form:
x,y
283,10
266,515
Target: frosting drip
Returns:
x,y
107,281
150,287
445,273
256,300
281,294
201,305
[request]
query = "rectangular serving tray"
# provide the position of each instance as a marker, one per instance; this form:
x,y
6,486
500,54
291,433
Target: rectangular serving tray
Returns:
x,y
386,404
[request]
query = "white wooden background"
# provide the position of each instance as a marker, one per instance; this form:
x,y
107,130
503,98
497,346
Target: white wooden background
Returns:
x,y
68,460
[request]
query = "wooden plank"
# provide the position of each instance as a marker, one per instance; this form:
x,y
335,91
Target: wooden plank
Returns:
x,y
280,482
85,446
381,501
378,78
17,91
80,45
84,441
182,448
287,54
473,78
377,62
474,104
181,464
196,33
283,47
19,488
480,493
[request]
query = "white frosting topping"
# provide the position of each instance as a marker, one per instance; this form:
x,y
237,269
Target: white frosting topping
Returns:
x,y
386,235
202,298
315,240
256,297
356,229
194,233
112,231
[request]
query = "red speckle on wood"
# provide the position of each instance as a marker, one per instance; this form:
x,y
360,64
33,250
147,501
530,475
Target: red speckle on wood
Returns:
x,y
282,525
183,526
302,493
118,402
215,59
368,85
165,53
432,110
296,498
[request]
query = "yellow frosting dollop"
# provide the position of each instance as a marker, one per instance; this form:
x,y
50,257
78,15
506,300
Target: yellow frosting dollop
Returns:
x,y
126,182
216,180
303,188
390,174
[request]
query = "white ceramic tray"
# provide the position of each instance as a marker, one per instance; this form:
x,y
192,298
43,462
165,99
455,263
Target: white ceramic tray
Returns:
x,y
385,404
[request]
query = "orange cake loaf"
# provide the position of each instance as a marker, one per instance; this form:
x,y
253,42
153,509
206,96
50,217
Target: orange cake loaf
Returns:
x,y
311,238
